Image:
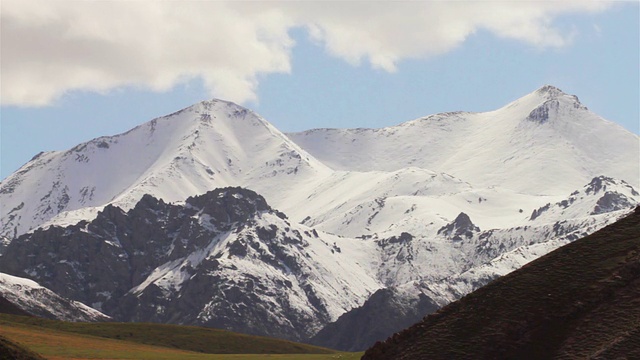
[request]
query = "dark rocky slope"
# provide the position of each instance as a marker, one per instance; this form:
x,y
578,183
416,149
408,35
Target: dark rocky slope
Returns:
x,y
384,313
7,307
580,301
224,259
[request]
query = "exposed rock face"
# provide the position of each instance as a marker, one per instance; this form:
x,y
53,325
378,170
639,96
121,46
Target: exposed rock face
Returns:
x,y
611,201
226,259
579,302
98,262
8,307
228,296
542,113
223,259
387,311
550,108
602,193
460,228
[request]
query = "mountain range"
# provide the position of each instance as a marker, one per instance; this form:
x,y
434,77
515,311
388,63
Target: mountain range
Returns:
x,y
212,216
578,302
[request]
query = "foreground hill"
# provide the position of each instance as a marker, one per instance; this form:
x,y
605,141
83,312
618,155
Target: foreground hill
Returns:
x,y
580,301
12,351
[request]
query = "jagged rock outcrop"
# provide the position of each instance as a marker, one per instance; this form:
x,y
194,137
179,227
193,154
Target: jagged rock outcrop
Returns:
x,y
97,262
222,259
460,228
397,210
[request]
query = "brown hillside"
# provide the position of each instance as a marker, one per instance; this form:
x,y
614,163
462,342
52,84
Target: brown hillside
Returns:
x,y
580,301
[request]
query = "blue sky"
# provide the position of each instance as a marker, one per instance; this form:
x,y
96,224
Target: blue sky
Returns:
x,y
308,66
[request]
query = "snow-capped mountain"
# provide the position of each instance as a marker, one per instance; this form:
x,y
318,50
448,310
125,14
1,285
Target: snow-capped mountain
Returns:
x,y
599,203
546,142
442,266
40,301
223,259
443,203
208,145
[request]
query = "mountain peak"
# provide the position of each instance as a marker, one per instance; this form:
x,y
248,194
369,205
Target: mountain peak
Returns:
x,y
551,101
461,226
550,91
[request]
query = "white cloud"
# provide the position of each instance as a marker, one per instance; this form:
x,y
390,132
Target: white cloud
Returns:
x,y
49,47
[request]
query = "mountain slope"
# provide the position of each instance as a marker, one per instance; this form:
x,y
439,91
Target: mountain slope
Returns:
x,y
448,202
32,298
8,307
531,145
208,145
385,312
448,261
223,259
578,301
11,351
536,148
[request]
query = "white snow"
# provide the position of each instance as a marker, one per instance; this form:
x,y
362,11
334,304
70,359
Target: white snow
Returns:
x,y
14,283
36,299
357,187
498,148
433,165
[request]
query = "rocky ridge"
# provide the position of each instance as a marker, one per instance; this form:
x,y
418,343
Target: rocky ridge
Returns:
x,y
224,259
446,203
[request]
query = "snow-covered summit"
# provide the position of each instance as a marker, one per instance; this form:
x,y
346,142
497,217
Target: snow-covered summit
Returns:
x,y
423,202
546,142
210,144
550,92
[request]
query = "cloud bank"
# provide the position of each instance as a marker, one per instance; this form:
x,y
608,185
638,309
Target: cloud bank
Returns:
x,y
50,47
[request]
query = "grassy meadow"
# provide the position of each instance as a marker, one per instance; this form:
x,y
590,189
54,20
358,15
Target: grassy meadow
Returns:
x,y
62,340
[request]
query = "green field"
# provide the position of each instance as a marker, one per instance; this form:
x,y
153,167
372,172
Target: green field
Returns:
x,y
63,340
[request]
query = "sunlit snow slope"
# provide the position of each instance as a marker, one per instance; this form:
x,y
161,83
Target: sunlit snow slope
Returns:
x,y
546,142
208,145
530,152
40,301
445,203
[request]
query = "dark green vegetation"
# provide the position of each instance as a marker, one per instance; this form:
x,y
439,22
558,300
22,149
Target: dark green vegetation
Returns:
x,y
580,301
190,338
